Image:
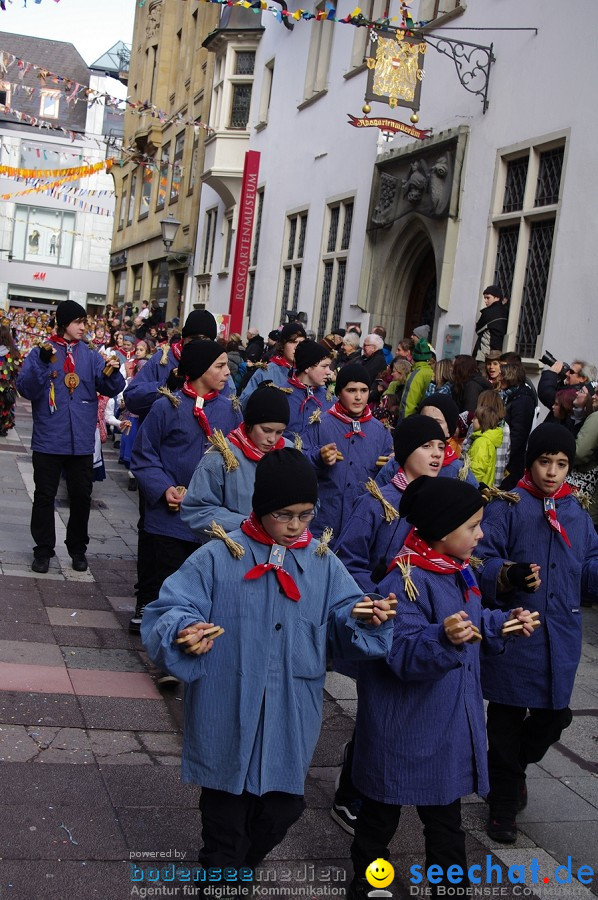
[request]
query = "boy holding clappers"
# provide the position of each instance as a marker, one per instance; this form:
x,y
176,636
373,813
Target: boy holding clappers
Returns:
x,y
420,737
253,703
544,551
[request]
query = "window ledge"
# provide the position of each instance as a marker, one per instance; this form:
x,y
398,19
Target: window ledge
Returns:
x,y
223,273
313,99
260,126
356,70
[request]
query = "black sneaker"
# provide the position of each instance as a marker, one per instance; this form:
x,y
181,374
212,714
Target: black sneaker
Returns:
x,y
502,829
135,622
345,814
358,889
79,562
40,564
165,679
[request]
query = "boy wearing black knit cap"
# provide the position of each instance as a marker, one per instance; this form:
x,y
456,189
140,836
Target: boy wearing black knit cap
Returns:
x,y
345,447
543,551
170,443
222,484
253,701
310,397
419,736
280,364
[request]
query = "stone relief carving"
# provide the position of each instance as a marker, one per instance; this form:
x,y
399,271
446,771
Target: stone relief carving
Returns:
x,y
152,26
421,184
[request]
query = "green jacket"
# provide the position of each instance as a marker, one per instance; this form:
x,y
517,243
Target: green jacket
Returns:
x,y
482,453
415,388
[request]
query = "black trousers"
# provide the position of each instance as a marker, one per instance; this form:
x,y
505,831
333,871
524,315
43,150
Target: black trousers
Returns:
x,y
148,585
517,736
241,829
444,838
170,554
346,791
79,482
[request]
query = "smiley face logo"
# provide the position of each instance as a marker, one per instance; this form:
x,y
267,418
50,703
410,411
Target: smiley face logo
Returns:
x,y
379,873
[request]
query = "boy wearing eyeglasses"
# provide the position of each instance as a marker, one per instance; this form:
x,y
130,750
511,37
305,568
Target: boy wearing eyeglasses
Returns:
x,y
253,702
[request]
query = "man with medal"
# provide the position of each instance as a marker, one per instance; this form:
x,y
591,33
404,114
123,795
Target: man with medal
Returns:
x,y
62,378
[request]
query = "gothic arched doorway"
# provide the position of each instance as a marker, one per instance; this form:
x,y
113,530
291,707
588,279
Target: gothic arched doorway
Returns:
x,y
421,305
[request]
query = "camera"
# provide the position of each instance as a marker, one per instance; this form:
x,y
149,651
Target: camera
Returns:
x,y
549,360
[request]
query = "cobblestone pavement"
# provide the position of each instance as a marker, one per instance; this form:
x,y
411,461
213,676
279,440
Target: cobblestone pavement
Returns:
x,y
89,747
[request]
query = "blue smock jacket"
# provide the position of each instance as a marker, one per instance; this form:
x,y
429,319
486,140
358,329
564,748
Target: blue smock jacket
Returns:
x,y
167,449
387,473
217,495
253,704
70,430
367,538
339,485
318,400
277,374
420,736
142,391
539,673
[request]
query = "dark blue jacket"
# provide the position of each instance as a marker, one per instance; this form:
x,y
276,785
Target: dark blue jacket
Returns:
x,y
317,399
71,428
167,449
387,473
539,672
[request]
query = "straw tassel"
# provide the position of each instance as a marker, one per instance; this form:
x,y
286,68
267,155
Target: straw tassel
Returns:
x,y
476,562
330,393
297,441
217,531
390,513
410,589
584,500
315,417
323,547
464,470
236,403
490,493
219,443
164,357
176,401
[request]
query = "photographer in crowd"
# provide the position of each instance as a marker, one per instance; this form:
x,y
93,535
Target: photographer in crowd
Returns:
x,y
561,376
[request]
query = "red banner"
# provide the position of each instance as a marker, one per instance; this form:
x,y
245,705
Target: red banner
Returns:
x,y
392,125
242,259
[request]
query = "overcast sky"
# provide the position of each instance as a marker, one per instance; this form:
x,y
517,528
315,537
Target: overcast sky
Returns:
x,y
93,26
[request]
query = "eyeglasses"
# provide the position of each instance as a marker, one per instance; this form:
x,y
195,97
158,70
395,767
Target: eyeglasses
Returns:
x,y
285,518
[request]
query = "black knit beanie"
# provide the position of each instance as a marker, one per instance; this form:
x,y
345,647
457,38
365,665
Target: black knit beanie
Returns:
x,y
412,433
197,357
550,438
283,478
68,311
351,372
200,321
267,404
494,290
291,330
309,353
437,506
447,407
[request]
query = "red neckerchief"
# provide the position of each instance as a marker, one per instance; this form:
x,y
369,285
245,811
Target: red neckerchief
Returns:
x,y
254,529
99,341
198,406
549,505
280,361
399,480
177,349
309,392
69,362
242,440
417,553
449,455
339,412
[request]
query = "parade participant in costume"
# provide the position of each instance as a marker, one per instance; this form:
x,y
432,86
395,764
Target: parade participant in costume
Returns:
x,y
141,392
542,551
62,378
419,737
281,362
444,410
253,701
344,447
371,538
222,484
170,442
310,396
10,360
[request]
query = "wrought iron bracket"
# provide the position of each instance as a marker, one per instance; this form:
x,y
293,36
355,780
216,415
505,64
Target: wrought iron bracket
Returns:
x,y
472,62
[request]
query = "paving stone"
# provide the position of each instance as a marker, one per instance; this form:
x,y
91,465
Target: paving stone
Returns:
x,y
81,618
125,714
55,785
18,707
65,880
151,787
110,660
159,830
27,631
25,677
30,652
32,832
329,749
561,840
118,748
93,683
101,638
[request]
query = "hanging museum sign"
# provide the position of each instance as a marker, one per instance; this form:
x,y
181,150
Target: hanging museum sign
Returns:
x,y
389,125
395,70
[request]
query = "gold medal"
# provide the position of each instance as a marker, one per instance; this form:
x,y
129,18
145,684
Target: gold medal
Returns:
x,y
71,379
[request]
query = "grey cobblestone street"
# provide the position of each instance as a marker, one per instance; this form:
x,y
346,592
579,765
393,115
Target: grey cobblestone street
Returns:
x,y
89,747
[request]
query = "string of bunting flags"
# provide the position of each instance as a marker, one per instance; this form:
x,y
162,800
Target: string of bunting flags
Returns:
x,y
95,237
76,171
